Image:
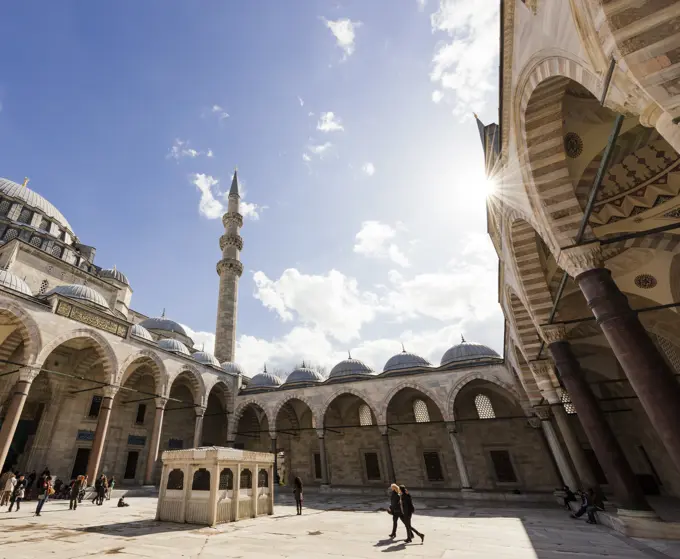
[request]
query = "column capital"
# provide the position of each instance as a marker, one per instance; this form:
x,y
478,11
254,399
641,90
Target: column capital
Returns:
x,y
451,427
110,391
650,115
580,259
200,411
160,403
273,435
544,372
320,431
552,333
384,429
542,412
534,422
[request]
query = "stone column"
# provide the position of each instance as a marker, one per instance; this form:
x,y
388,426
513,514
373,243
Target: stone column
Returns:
x,y
599,433
568,478
100,433
155,441
322,453
47,428
387,451
16,406
458,453
649,375
544,372
214,485
271,490
237,491
198,427
275,478
255,485
654,116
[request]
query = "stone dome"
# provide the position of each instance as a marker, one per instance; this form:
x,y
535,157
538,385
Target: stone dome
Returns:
x,y
468,351
303,374
350,368
206,358
264,380
80,292
141,332
10,281
231,367
165,324
405,360
173,346
33,200
112,273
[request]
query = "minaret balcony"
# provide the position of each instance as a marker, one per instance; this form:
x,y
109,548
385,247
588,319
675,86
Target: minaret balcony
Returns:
x,y
232,216
230,265
231,240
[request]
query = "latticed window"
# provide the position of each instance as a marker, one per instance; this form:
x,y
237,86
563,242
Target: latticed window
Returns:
x,y
420,411
566,402
56,251
44,225
43,287
36,241
176,479
226,479
25,216
484,407
11,234
263,479
201,480
671,352
246,479
365,417
5,205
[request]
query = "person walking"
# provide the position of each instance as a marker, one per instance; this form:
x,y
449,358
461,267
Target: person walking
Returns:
x,y
7,482
397,512
74,495
43,492
81,495
18,493
409,509
103,488
29,484
112,484
97,487
297,492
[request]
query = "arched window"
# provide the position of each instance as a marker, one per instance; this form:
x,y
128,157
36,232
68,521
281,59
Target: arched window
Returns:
x,y
201,480
484,407
263,479
43,287
36,241
56,251
4,207
176,479
226,479
420,411
246,479
365,416
11,234
25,216
566,402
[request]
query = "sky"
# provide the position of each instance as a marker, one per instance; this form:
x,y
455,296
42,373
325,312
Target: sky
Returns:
x,y
351,125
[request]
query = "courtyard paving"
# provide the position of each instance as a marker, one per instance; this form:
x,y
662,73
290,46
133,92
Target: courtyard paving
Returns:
x,y
333,526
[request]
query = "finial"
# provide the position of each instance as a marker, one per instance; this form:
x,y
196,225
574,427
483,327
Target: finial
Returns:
x,y
233,191
114,267
462,339
26,180
265,368
403,349
203,346
163,313
474,113
349,354
303,363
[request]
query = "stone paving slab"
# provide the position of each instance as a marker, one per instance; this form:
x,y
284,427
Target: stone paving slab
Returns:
x,y
333,527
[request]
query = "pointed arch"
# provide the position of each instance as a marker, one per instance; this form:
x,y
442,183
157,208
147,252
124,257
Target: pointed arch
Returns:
x,y
195,381
26,326
243,405
288,398
353,392
486,377
219,383
441,406
146,356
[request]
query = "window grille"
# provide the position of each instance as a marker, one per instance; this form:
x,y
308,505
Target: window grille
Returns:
x,y
56,251
226,479
36,241
4,207
671,352
263,479
43,287
25,216
484,407
365,417
201,480
246,479
420,411
566,402
11,234
176,479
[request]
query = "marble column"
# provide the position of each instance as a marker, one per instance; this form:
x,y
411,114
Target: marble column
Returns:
x,y
198,427
387,451
599,433
649,375
155,441
47,428
322,453
568,478
100,433
275,478
458,453
16,406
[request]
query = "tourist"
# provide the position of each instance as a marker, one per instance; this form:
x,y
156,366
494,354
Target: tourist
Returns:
x,y
122,503
29,484
44,491
101,492
409,509
589,505
81,495
7,482
97,487
112,484
297,492
397,511
76,488
18,493
569,497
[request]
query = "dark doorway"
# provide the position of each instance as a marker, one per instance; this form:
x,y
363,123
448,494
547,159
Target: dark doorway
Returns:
x,y
80,465
131,466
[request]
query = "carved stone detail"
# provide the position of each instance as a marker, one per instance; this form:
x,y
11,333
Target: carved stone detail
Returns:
x,y
543,412
91,319
230,265
580,259
232,216
231,240
552,333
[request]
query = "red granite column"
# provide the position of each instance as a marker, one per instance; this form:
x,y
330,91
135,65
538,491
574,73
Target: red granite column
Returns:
x,y
599,433
9,425
155,441
100,436
647,371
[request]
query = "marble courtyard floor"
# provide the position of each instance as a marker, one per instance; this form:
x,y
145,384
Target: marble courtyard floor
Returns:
x,y
333,526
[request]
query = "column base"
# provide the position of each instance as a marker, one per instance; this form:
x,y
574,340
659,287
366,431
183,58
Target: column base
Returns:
x,y
466,489
640,524
325,488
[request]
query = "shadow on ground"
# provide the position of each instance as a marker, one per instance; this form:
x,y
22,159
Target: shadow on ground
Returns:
x,y
137,528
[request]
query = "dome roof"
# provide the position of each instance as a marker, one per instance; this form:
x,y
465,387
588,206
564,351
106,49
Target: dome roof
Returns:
x,y
33,200
206,358
174,346
303,374
350,368
405,360
264,379
163,323
80,292
141,332
231,367
9,280
114,274
466,351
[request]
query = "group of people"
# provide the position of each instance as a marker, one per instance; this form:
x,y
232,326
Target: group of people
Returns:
x,y
102,489
401,508
591,502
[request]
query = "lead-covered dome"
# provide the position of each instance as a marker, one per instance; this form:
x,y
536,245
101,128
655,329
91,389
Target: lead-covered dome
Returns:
x,y
112,273
141,332
9,280
468,351
81,293
264,380
173,346
164,324
405,360
351,368
303,374
206,358
231,367
33,200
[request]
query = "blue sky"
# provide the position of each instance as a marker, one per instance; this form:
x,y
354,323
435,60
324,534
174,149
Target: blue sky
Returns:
x,y
351,126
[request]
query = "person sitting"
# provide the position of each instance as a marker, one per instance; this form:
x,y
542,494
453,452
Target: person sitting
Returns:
x,y
569,496
588,506
122,503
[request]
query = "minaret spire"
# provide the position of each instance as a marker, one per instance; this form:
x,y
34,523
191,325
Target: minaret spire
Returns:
x,y
229,269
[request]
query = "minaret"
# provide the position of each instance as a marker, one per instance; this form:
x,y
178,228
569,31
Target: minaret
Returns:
x,y
229,270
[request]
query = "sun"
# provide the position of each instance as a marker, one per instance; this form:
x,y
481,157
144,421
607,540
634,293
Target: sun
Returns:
x,y
474,188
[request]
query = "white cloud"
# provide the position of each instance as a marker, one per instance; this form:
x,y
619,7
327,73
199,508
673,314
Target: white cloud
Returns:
x,y
301,101
328,122
306,158
344,32
220,112
180,149
421,5
318,150
374,241
437,96
213,202
368,168
466,66
210,153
